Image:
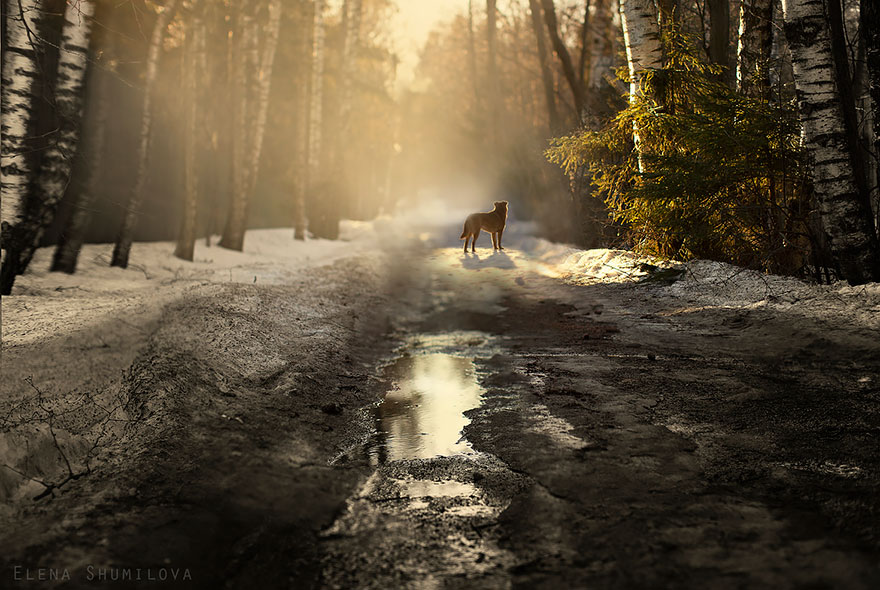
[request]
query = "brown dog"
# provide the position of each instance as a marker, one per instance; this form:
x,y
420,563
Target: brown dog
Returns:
x,y
493,222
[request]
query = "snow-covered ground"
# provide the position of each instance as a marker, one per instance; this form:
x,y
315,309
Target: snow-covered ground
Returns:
x,y
48,304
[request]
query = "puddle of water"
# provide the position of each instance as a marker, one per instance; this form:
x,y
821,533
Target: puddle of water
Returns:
x,y
421,488
422,416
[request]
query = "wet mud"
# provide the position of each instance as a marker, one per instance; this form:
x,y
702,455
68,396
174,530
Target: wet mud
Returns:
x,y
440,424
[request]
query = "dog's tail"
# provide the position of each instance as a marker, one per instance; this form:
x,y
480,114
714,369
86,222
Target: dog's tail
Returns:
x,y
464,231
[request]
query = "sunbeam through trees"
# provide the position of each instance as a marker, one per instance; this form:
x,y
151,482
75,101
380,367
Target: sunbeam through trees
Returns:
x,y
381,294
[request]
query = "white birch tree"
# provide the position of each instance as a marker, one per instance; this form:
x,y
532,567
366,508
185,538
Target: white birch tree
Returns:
x,y
754,46
845,216
20,68
641,38
92,150
56,162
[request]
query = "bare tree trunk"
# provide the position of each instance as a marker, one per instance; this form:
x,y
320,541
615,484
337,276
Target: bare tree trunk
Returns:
x,y
492,71
846,221
250,118
352,10
303,92
264,88
604,40
122,248
869,27
20,68
57,160
245,58
546,72
94,137
719,36
843,77
316,121
194,70
564,56
472,55
585,57
643,50
755,47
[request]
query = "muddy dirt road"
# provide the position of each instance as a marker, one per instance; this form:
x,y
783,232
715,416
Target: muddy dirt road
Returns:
x,y
475,422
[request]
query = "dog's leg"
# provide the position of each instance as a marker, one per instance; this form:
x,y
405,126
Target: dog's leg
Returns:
x,y
474,243
494,240
500,231
466,240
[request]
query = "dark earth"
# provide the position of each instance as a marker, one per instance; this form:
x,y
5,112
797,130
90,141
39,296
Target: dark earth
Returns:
x,y
622,437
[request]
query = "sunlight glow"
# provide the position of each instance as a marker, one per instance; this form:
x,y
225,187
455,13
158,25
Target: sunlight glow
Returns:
x,y
413,22
424,415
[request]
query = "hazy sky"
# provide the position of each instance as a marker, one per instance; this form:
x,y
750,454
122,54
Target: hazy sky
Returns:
x,y
412,23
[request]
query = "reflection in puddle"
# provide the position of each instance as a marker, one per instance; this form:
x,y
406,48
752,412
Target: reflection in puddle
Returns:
x,y
422,416
421,488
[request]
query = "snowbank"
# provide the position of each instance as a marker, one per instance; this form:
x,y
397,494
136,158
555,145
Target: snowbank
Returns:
x,y
711,283
270,255
69,303
703,283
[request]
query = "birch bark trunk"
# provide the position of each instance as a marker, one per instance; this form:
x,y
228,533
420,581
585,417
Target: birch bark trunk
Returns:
x,y
194,70
641,38
844,214
754,47
72,238
56,163
122,248
20,68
